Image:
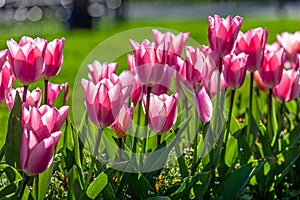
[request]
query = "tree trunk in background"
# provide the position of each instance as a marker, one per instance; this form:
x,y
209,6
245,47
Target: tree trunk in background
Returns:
x,y
80,17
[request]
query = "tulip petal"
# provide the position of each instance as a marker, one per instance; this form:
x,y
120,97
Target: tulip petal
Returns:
x,y
203,105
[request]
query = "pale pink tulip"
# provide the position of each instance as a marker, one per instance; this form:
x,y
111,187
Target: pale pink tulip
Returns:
x,y
260,83
27,59
212,87
103,101
222,33
123,123
33,98
271,70
54,90
253,43
203,105
53,58
3,55
162,112
234,69
98,71
291,43
6,81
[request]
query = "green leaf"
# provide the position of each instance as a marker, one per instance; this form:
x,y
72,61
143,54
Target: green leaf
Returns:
x,y
294,136
138,184
200,182
44,181
159,198
238,180
14,135
75,185
231,153
11,173
96,187
60,99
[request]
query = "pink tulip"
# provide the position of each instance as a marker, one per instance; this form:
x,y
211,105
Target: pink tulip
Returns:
x,y
6,81
53,58
3,55
212,87
203,105
234,69
103,101
27,59
37,148
252,43
290,43
54,90
175,43
98,71
162,112
222,33
123,123
271,70
32,98
260,84
289,86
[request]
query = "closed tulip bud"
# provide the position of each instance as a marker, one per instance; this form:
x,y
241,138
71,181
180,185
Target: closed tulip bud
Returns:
x,y
252,43
27,59
53,58
234,69
123,122
222,33
162,112
33,98
203,105
6,81
271,70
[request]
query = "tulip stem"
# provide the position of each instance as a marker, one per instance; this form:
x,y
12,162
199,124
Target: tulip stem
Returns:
x,y
24,93
251,94
46,92
93,157
120,143
37,186
146,117
229,115
269,123
23,186
158,139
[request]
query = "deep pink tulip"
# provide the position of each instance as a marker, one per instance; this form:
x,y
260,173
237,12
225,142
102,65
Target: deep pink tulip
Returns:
x,y
37,148
203,105
222,33
53,58
289,86
98,71
271,70
291,43
33,98
260,84
45,115
162,112
253,43
123,123
3,55
27,59
234,69
103,101
54,90
6,81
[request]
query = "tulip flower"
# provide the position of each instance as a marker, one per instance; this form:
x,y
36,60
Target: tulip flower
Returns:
x,y
203,105
289,86
6,81
33,98
123,122
37,148
27,59
253,43
98,71
3,55
212,87
162,112
271,70
260,83
234,69
290,43
222,33
53,58
54,90
103,101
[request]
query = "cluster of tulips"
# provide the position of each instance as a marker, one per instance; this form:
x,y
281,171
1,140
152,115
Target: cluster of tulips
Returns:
x,y
204,71
27,61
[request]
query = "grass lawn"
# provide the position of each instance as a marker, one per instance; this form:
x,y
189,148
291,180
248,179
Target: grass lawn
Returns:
x,y
79,43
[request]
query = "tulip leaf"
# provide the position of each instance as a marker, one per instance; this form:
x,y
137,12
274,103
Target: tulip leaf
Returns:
x,y
294,136
14,135
138,185
75,186
200,183
239,179
159,198
11,173
96,187
231,153
60,99
43,183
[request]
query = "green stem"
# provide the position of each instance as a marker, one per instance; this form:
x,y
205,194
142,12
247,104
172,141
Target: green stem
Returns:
x,y
146,117
46,92
23,186
195,156
120,143
270,108
93,157
158,139
37,187
137,127
229,115
251,94
25,93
